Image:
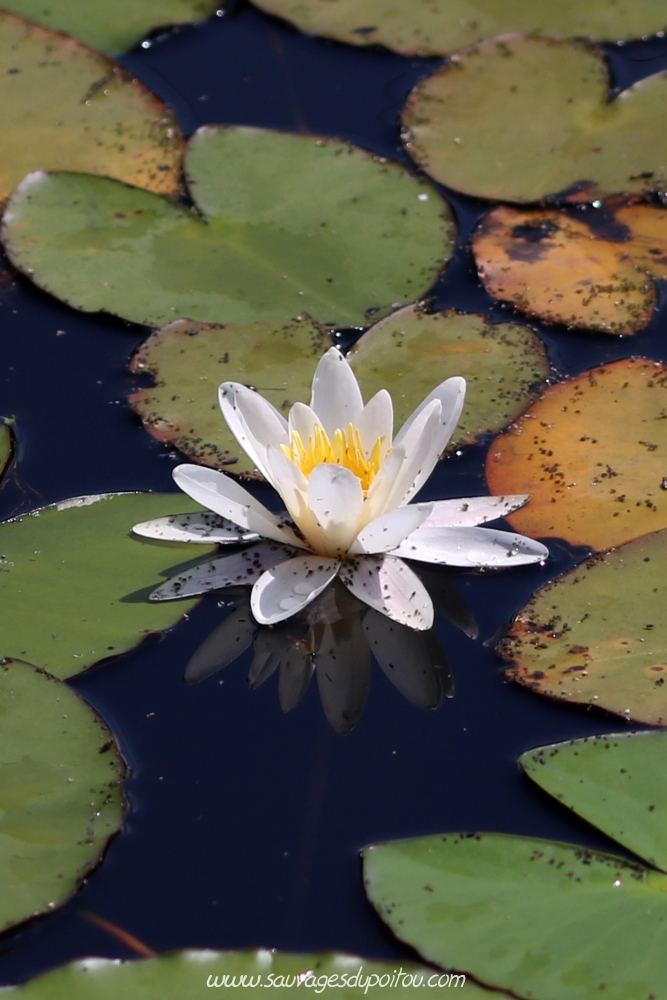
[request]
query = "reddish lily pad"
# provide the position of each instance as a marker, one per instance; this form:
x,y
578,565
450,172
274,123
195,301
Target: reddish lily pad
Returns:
x,y
591,452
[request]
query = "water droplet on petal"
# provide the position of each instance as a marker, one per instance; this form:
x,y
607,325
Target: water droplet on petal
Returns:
x,y
287,603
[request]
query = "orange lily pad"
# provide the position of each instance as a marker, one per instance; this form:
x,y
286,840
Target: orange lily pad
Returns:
x,y
592,452
556,267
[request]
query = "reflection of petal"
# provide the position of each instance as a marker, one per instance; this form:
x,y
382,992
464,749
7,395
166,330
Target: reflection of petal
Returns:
x,y
270,646
390,586
414,662
231,638
447,601
471,547
288,587
296,670
468,512
389,530
336,396
203,526
226,571
342,662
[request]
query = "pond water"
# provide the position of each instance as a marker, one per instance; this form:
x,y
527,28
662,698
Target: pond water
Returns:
x,y
245,824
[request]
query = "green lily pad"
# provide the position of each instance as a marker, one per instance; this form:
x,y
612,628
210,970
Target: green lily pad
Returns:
x,y
520,118
542,919
598,634
293,224
189,361
618,783
590,452
74,581
6,446
410,352
66,107
111,27
60,791
184,975
422,27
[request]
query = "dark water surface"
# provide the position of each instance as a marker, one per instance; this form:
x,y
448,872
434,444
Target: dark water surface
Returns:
x,y
245,824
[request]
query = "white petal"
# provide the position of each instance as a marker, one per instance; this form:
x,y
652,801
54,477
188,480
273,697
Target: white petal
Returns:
x,y
471,547
420,446
336,396
290,483
287,588
235,570
253,421
335,499
377,421
203,526
388,531
467,512
451,394
389,586
224,496
383,485
303,421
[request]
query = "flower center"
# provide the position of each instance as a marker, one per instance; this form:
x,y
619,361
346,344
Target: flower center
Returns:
x,y
346,449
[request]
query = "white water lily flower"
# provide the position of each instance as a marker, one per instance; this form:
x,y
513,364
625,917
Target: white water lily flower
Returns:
x,y
346,482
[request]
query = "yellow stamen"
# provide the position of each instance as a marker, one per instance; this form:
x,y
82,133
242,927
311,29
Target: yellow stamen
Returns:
x,y
346,449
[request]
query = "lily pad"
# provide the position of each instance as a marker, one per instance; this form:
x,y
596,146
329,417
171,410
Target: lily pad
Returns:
x,y
293,224
410,352
617,782
591,452
521,118
646,227
553,266
6,446
189,361
422,27
598,634
541,919
60,794
111,27
66,107
71,579
183,975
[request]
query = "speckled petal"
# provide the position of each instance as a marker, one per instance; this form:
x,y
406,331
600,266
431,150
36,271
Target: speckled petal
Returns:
x,y
390,586
234,570
288,587
203,526
471,547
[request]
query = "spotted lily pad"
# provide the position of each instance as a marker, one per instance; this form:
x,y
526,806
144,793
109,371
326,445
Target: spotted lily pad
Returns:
x,y
189,361
412,351
556,267
417,27
591,452
74,582
69,108
111,27
60,794
522,118
184,975
598,634
292,224
617,782
645,230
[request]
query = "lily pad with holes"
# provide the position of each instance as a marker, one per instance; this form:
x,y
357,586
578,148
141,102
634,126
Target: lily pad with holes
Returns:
x,y
537,918
60,791
410,352
617,782
183,975
521,118
69,108
598,634
111,27
74,582
557,268
292,224
189,361
422,27
591,452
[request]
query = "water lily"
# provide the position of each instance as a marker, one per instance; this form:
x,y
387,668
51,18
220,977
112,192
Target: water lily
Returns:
x,y
346,483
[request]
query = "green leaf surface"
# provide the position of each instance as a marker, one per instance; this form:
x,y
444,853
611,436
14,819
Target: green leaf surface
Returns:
x,y
427,27
184,975
6,446
60,794
598,634
189,361
293,224
547,921
74,581
617,782
65,107
410,352
520,118
111,27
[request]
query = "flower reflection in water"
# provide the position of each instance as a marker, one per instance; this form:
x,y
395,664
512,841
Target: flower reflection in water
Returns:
x,y
333,639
